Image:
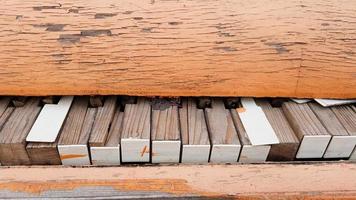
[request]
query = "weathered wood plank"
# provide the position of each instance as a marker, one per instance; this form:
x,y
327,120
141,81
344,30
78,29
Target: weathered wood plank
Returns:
x,y
179,48
225,144
313,135
194,132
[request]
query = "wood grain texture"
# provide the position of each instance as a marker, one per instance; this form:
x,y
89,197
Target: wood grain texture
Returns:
x,y
347,117
192,123
113,139
77,123
220,124
303,120
288,141
165,125
14,132
137,119
329,120
178,48
108,152
103,119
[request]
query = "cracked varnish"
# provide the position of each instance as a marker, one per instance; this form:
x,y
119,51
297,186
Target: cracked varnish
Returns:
x,y
179,48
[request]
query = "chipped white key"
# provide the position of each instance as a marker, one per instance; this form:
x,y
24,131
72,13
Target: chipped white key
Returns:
x,y
49,121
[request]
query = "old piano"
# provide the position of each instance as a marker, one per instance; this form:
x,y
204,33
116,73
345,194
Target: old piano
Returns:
x,y
177,99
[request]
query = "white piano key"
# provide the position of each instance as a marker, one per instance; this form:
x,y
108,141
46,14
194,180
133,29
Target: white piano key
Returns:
x,y
50,120
334,102
254,120
135,150
313,146
300,101
165,151
195,153
225,153
105,155
254,153
340,147
74,155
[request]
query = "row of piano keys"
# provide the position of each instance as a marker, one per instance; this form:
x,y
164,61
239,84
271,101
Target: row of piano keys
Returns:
x,y
143,131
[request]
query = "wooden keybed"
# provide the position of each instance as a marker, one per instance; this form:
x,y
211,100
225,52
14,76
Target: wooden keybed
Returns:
x,y
114,130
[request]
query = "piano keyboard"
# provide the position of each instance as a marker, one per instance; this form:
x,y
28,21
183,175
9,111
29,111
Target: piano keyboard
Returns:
x,y
114,130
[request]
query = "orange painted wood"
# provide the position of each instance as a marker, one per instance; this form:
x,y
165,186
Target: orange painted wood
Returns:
x,y
178,48
266,181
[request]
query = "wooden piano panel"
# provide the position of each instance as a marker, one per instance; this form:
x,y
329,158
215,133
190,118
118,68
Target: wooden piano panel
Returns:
x,y
178,48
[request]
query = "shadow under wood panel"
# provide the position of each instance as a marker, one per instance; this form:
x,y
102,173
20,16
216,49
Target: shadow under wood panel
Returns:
x,y
194,132
216,48
287,147
14,132
72,144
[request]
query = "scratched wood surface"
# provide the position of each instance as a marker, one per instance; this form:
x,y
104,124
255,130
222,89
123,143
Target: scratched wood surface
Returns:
x,y
178,48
